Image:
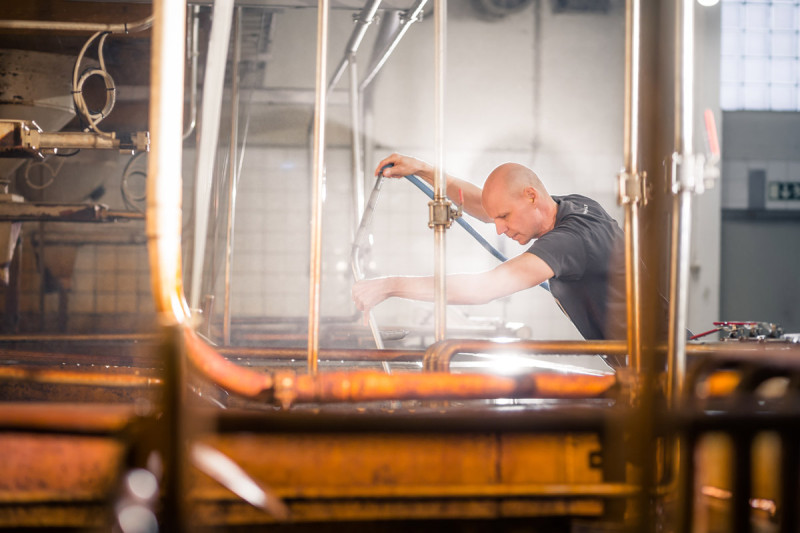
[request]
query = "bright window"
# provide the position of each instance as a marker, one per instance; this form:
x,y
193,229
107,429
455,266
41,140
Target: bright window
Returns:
x,y
760,48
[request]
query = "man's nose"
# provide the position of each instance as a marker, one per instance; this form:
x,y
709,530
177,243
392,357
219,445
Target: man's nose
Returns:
x,y
500,226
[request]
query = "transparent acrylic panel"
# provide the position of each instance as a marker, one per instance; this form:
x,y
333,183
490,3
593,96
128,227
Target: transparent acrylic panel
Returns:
x,y
783,16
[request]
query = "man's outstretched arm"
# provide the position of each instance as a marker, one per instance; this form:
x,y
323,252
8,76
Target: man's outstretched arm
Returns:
x,y
519,273
403,165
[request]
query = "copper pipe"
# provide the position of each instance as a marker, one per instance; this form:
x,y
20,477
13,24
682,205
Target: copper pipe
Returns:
x,y
164,165
631,190
438,356
107,337
229,376
292,388
378,355
79,417
318,176
67,377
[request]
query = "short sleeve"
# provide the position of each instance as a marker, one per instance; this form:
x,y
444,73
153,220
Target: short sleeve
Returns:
x,y
564,251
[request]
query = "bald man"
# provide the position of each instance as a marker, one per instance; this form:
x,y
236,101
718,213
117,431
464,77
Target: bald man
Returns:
x,y
577,247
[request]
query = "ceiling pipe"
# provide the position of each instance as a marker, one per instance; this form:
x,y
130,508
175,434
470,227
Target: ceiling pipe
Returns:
x,y
411,16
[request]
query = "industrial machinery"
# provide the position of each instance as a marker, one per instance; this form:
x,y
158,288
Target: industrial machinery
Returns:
x,y
168,413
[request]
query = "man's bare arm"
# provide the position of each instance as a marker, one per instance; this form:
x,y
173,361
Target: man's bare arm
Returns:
x,y
403,165
514,275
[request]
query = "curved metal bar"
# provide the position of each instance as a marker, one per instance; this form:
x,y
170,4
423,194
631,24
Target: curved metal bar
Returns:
x,y
439,355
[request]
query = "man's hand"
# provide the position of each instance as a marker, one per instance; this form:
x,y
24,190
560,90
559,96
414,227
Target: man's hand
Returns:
x,y
404,165
369,293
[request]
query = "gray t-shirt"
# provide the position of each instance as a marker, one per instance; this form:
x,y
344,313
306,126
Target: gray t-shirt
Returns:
x,y
585,250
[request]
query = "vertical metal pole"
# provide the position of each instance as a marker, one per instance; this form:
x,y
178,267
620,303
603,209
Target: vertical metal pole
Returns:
x,y
439,184
633,194
164,164
683,169
164,219
317,184
233,174
355,121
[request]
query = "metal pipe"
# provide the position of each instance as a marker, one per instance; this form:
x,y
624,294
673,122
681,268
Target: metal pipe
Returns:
x,y
632,193
208,135
410,17
291,388
364,19
164,184
683,179
233,174
318,177
355,259
125,27
439,179
193,30
67,377
439,355
357,155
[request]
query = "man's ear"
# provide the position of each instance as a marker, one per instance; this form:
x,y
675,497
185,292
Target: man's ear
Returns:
x,y
531,193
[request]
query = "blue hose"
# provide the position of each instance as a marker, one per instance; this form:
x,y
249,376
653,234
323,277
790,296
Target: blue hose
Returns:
x,y
421,185
460,220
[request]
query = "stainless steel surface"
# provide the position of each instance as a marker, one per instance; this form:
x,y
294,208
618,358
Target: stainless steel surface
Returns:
x,y
684,177
233,175
318,177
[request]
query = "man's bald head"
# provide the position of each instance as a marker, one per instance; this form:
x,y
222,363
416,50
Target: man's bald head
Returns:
x,y
516,200
512,179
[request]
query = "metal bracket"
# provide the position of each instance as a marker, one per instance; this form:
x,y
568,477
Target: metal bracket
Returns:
x,y
22,138
442,213
694,172
632,188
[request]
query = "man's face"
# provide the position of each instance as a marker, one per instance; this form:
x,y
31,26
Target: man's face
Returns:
x,y
513,214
